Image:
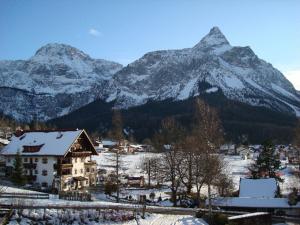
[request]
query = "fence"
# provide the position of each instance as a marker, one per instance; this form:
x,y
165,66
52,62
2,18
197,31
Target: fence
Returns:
x,y
75,196
24,195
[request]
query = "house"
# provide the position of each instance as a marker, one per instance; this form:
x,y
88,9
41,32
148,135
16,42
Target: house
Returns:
x,y
257,195
229,149
59,160
136,181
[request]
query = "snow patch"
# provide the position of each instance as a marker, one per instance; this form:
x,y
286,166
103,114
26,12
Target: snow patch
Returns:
x,y
233,82
211,90
187,90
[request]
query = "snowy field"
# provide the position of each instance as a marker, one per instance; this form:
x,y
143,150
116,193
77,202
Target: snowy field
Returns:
x,y
130,163
236,168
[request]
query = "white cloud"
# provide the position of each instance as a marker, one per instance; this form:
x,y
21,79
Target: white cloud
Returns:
x,y
95,32
294,77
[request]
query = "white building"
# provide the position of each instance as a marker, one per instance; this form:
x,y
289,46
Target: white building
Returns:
x,y
54,159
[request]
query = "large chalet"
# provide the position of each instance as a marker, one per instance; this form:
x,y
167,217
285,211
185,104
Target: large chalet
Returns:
x,y
59,160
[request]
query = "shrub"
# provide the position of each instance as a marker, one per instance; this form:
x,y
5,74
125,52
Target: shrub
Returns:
x,y
110,187
220,219
152,196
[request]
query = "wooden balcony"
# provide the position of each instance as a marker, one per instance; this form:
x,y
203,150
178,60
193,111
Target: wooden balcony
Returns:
x,y
91,163
80,154
61,166
29,165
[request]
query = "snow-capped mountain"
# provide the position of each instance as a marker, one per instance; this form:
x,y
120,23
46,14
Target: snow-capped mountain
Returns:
x,y
236,71
56,80
59,79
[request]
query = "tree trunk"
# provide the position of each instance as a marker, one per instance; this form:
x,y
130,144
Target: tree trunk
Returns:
x,y
149,174
209,202
189,186
117,173
174,198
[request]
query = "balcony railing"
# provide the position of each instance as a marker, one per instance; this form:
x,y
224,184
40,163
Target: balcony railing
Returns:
x,y
29,165
62,166
90,163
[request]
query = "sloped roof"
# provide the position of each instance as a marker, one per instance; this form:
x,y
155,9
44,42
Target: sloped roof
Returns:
x,y
258,188
53,142
253,202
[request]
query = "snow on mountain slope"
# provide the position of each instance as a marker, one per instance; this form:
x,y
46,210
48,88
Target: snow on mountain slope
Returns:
x,y
55,81
59,79
236,71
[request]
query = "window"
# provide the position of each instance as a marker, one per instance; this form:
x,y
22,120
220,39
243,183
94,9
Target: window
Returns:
x,y
36,171
93,170
75,171
25,160
8,160
44,184
87,170
45,160
82,159
44,172
87,182
75,160
81,170
36,159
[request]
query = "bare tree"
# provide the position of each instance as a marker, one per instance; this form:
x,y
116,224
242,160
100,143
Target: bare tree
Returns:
x,y
168,140
224,185
117,134
152,166
296,143
208,135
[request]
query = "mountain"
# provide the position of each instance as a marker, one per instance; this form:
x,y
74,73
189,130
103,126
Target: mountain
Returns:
x,y
176,74
55,81
63,84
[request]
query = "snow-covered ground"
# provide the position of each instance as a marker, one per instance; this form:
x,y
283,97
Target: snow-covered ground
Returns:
x,y
130,163
236,168
15,190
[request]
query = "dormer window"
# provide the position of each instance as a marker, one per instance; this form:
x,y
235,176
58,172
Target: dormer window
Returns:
x,y
32,148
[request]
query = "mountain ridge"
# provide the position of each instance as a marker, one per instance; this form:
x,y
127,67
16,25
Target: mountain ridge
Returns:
x,y
50,83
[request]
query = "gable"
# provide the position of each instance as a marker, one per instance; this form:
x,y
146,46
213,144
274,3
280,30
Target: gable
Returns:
x,y
82,143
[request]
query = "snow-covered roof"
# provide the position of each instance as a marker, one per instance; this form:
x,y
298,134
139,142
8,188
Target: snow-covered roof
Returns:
x,y
258,188
48,142
109,142
4,141
253,202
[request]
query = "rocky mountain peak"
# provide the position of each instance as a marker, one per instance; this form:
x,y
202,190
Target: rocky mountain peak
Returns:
x,y
57,50
213,40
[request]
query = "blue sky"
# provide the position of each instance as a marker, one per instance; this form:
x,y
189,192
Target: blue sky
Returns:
x,y
124,30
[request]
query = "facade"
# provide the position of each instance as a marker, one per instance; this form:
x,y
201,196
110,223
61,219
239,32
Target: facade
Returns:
x,y
59,160
136,181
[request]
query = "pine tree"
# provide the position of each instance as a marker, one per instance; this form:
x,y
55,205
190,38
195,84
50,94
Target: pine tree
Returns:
x,y
267,163
18,176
